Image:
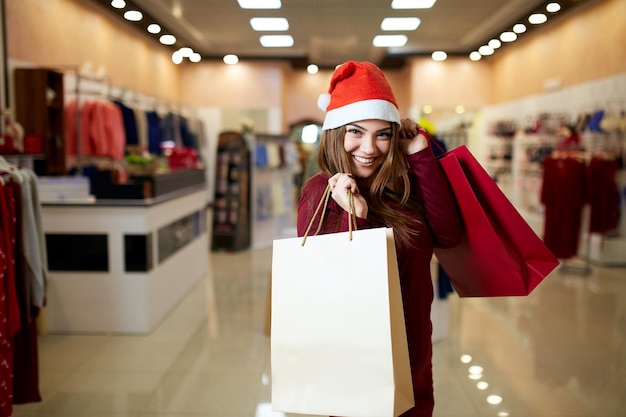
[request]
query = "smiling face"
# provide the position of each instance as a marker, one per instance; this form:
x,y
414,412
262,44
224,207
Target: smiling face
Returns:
x,y
367,143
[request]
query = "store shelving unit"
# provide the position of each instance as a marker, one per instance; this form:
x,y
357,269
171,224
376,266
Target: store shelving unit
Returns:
x,y
39,108
231,219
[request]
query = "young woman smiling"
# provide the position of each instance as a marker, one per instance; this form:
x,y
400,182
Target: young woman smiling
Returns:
x,y
388,166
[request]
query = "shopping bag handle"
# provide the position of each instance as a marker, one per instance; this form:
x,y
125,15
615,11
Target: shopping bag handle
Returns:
x,y
324,203
430,140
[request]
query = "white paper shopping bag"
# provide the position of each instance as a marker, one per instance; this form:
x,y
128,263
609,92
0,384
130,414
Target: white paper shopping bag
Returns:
x,y
338,339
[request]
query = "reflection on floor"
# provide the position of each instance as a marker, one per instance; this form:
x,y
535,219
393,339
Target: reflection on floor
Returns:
x,y
559,352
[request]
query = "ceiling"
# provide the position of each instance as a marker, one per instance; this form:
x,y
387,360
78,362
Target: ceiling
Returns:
x,y
328,32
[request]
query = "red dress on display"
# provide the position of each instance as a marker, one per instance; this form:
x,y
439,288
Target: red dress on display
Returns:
x,y
563,195
603,194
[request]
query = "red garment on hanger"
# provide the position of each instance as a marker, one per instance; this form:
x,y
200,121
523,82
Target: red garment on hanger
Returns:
x,y
563,195
603,194
25,355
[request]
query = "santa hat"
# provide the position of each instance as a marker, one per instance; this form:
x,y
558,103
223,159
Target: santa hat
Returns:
x,y
358,91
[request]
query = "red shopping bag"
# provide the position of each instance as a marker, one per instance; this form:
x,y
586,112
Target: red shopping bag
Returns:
x,y
500,255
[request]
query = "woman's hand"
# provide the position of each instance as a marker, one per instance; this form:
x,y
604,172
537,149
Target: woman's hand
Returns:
x,y
340,184
411,140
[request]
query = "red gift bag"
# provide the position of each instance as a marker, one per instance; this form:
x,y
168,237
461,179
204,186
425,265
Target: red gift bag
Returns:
x,y
500,255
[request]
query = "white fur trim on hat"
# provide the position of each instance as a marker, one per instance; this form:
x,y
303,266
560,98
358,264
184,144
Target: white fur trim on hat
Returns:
x,y
361,110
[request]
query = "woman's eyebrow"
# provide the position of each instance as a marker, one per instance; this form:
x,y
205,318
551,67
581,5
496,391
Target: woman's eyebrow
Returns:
x,y
384,129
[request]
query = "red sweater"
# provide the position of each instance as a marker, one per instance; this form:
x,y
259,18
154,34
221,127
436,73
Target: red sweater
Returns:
x,y
442,229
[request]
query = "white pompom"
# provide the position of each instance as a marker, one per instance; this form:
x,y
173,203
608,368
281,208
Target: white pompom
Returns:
x,y
323,101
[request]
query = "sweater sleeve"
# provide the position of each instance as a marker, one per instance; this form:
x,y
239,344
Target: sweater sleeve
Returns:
x,y
335,218
440,207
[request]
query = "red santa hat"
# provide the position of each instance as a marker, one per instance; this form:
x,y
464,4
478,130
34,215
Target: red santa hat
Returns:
x,y
358,91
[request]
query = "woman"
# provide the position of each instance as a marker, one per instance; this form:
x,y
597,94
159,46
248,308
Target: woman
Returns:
x,y
389,167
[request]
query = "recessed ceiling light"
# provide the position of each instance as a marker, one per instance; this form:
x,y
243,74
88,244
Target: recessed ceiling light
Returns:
x,y
276,41
439,56
154,28
508,36
118,4
230,59
186,51
133,15
167,39
195,57
412,4
519,28
537,18
475,56
177,57
495,43
485,50
553,7
259,4
269,23
389,41
312,69
400,23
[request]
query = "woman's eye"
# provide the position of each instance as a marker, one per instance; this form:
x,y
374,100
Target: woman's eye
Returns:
x,y
384,135
354,131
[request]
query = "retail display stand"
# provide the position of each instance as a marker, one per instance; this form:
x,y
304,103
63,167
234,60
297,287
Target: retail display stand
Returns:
x,y
231,219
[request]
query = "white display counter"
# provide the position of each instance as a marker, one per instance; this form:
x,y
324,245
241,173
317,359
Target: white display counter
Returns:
x,y
119,266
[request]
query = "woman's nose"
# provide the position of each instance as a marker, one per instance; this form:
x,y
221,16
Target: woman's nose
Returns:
x,y
368,144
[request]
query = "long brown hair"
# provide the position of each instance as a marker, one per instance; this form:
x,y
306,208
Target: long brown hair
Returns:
x,y
391,181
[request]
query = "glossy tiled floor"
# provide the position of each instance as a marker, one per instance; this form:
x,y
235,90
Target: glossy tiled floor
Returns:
x,y
559,352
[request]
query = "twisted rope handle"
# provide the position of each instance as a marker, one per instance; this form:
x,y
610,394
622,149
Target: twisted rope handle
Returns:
x,y
323,204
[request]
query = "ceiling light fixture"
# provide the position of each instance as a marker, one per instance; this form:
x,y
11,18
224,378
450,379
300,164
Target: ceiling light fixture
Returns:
x,y
118,4
133,15
400,23
553,7
537,18
495,43
519,28
177,57
439,56
389,41
475,56
195,57
259,4
230,59
485,50
508,36
412,4
167,39
186,51
269,24
154,28
312,69
276,41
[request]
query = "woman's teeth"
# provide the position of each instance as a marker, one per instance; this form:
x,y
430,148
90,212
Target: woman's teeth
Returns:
x,y
363,160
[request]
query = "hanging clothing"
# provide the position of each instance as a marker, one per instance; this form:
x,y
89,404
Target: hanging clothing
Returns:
x,y
101,129
603,194
563,194
130,123
155,132
25,376
9,310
